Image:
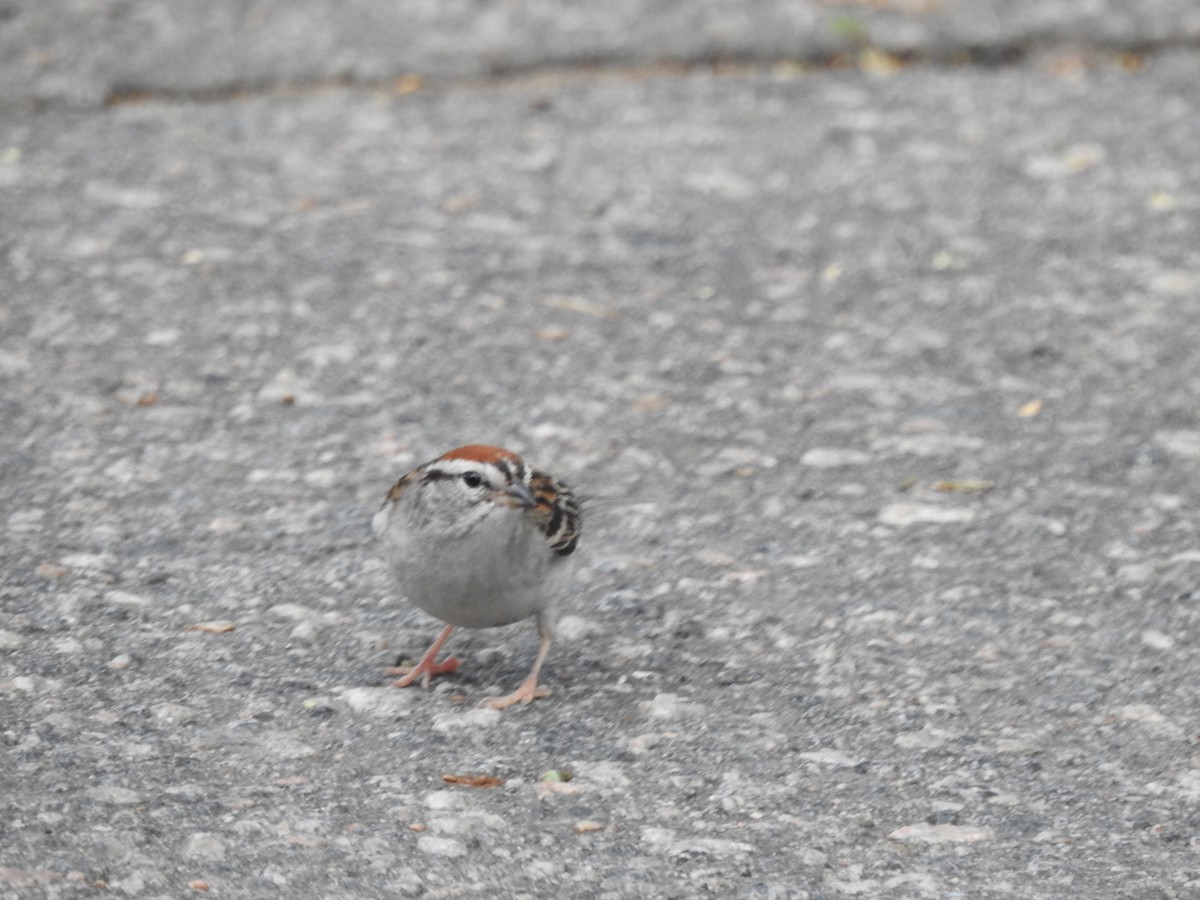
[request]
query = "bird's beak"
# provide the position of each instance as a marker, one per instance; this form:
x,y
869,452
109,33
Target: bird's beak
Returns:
x,y
517,494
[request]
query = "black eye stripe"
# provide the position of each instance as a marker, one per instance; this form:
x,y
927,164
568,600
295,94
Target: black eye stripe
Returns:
x,y
471,478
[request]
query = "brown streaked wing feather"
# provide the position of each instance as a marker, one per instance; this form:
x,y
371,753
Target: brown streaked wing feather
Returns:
x,y
557,513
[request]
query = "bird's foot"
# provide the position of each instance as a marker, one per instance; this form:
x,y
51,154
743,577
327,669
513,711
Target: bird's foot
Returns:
x,y
526,693
424,670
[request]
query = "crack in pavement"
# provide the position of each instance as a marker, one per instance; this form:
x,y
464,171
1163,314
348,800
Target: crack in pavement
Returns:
x,y
1053,52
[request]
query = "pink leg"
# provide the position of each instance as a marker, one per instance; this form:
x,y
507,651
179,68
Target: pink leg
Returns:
x,y
427,667
529,690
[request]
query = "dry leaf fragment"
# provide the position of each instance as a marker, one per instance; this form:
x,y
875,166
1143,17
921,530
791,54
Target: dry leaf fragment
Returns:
x,y
748,575
417,827
712,557
649,403
460,203
1161,201
50,570
878,62
587,825
964,486
546,788
479,781
551,334
1131,61
198,885
408,84
1068,65
1032,408
579,305
217,626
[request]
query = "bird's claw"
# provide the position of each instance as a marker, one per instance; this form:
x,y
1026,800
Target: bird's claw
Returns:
x,y
525,694
423,670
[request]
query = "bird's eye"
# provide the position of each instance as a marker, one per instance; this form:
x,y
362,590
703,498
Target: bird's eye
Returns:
x,y
472,479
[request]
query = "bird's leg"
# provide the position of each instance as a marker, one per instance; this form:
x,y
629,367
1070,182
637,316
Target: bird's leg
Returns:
x,y
529,690
428,666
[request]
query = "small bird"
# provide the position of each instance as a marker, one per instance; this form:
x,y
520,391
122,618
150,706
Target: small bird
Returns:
x,y
478,539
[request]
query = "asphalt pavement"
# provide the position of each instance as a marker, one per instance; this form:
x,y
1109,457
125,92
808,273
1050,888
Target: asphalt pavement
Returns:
x,y
871,329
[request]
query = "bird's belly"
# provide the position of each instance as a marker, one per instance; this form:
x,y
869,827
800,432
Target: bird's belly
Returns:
x,y
473,597
500,584
473,606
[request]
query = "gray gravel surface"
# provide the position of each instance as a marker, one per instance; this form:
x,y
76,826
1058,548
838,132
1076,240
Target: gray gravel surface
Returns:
x,y
888,383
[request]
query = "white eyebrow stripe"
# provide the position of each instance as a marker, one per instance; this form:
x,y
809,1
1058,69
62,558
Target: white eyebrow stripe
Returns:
x,y
452,468
457,466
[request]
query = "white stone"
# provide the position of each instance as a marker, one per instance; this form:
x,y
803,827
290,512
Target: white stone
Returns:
x,y
657,837
1136,572
25,521
467,824
10,640
124,598
1157,640
919,740
1017,747
835,758
1189,783
163,337
447,800
902,515
174,712
670,707
441,846
712,557
305,632
322,478
323,354
924,833
1181,443
574,628
121,796
1145,714
472,718
203,845
809,856
90,561
380,702
833,457
602,774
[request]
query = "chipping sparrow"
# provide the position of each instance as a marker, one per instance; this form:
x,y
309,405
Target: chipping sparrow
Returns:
x,y
477,538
